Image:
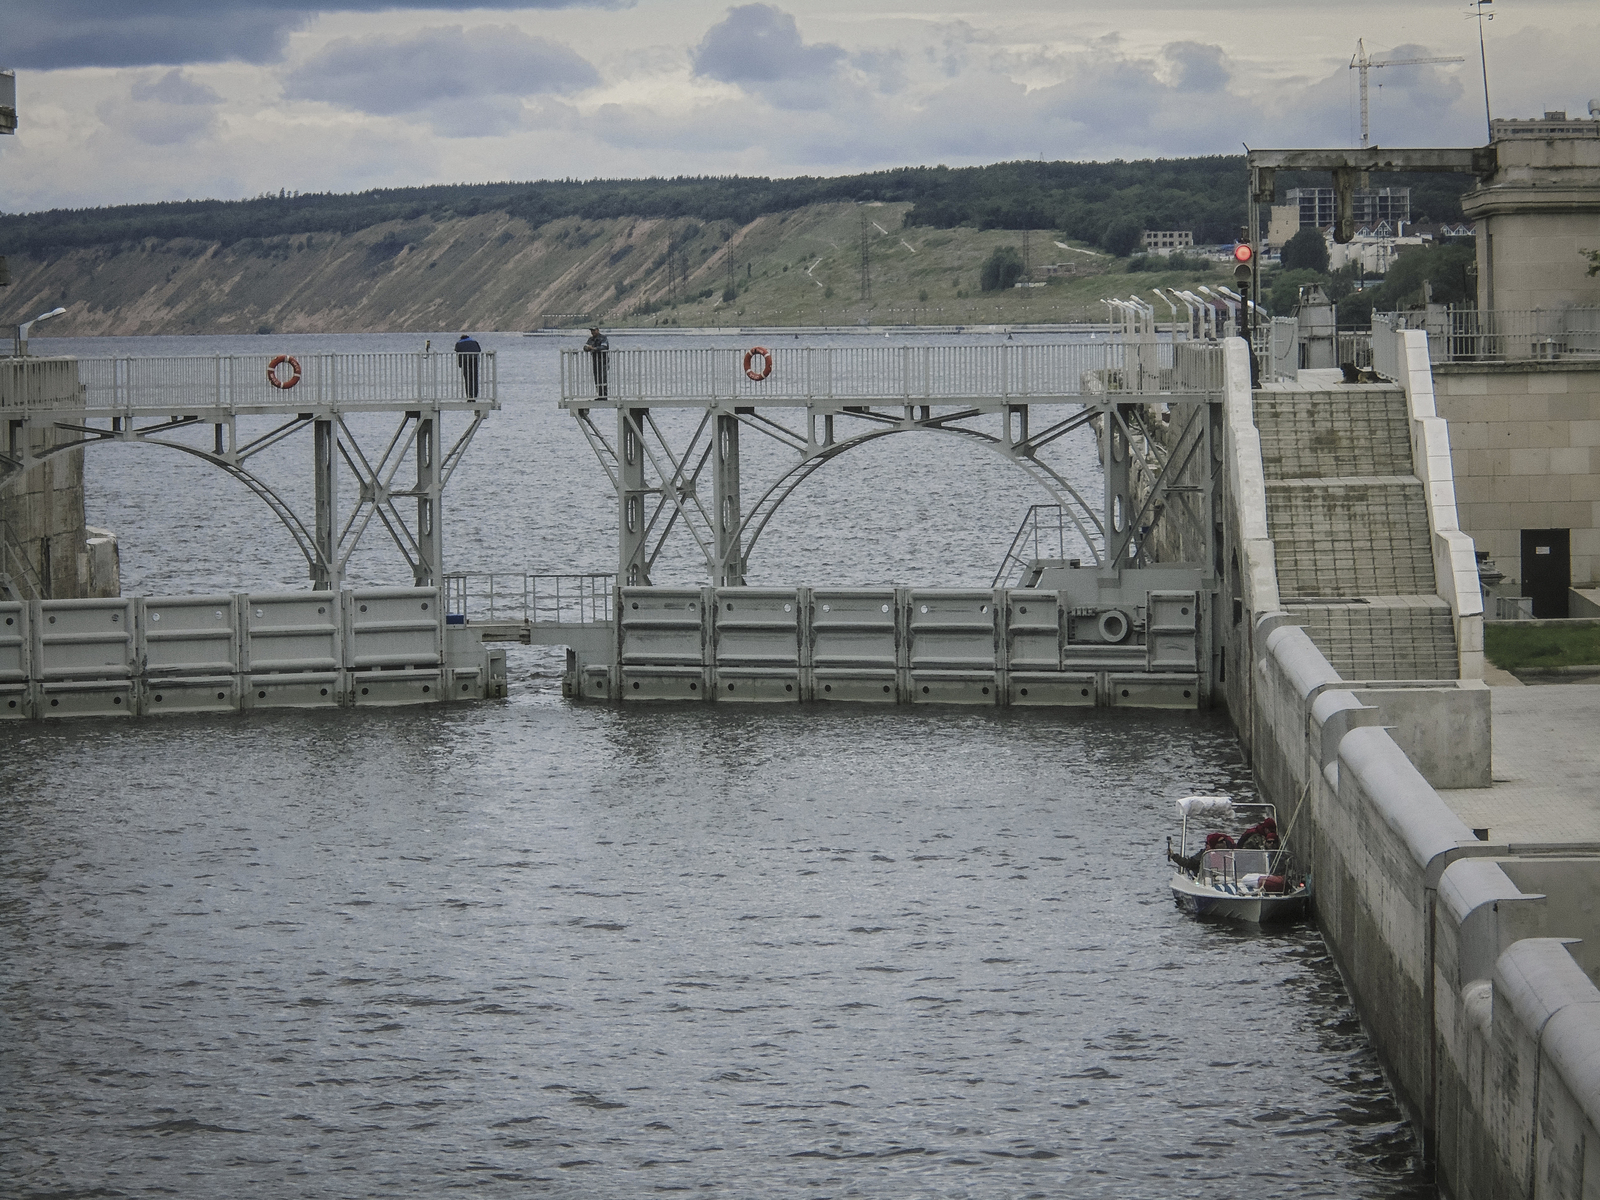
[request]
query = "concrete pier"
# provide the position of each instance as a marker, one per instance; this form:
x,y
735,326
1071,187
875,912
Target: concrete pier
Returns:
x,y
1458,914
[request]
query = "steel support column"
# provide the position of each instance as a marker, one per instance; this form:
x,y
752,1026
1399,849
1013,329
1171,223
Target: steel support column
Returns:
x,y
725,481
429,570
325,570
1114,460
633,568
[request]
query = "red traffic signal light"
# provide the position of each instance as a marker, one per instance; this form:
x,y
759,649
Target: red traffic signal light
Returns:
x,y
1243,253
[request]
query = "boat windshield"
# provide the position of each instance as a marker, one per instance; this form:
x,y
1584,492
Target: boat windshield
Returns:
x,y
1235,864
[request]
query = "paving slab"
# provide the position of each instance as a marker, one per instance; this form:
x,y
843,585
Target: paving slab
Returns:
x,y
1546,767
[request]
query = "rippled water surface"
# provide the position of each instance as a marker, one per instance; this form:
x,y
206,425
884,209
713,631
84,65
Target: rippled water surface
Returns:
x,y
532,948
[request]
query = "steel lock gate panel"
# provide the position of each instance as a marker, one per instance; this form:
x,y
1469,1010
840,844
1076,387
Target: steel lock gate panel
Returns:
x,y
952,630
1170,624
13,642
757,628
83,639
1033,626
392,627
191,635
854,630
662,627
296,631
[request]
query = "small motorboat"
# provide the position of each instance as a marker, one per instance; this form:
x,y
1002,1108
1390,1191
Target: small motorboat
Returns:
x,y
1247,878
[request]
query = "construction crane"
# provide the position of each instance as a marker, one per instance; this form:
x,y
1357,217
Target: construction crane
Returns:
x,y
1364,64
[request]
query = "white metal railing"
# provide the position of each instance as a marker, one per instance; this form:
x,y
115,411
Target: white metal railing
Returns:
x,y
1353,346
1386,331
1460,333
570,599
38,383
1276,343
241,381
922,374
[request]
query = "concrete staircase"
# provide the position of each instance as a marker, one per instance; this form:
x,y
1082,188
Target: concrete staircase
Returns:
x,y
1349,525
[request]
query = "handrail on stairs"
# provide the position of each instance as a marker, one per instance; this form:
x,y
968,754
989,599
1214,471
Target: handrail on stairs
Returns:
x,y
1042,523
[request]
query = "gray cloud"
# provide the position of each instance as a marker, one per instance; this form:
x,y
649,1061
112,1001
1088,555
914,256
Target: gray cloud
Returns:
x,y
759,47
53,34
163,110
468,81
1196,68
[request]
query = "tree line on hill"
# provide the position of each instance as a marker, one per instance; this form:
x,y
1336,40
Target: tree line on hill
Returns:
x,y
1106,204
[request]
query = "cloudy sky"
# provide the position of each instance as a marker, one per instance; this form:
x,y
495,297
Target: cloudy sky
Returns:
x,y
129,100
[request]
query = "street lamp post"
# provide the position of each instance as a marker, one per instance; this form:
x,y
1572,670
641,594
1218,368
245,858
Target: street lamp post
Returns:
x,y
21,339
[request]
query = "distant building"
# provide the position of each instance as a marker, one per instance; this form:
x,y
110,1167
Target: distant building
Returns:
x,y
1522,397
1165,241
1554,123
1283,225
1374,247
1316,206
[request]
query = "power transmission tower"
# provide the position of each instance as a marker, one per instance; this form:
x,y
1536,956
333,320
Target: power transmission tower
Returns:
x,y
1363,64
866,259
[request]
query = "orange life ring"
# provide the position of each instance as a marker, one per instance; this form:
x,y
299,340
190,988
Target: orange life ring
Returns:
x,y
766,363
272,371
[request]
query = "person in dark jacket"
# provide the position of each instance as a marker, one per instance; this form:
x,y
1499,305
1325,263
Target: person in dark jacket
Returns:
x,y
467,351
599,350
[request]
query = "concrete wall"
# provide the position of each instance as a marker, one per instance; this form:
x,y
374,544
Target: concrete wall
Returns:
x,y
1249,568
1517,1024
42,511
1178,535
1459,954
1525,448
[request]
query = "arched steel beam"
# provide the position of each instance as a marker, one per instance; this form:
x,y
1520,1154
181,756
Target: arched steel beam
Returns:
x,y
761,512
297,530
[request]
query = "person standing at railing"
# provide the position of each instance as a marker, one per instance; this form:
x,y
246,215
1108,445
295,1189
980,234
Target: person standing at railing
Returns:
x,y
599,351
467,351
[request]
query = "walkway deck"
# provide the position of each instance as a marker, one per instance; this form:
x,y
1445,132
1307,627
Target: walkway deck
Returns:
x,y
1546,768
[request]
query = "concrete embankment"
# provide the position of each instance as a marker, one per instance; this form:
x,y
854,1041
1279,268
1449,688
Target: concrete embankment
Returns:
x,y
1457,923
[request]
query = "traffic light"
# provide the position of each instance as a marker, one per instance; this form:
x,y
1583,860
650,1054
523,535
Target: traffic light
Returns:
x,y
1243,256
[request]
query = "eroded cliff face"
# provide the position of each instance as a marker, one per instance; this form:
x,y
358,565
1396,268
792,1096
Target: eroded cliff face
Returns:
x,y
494,272
483,272
488,271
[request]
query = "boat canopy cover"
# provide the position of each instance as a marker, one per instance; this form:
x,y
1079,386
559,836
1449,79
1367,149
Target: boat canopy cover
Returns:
x,y
1205,806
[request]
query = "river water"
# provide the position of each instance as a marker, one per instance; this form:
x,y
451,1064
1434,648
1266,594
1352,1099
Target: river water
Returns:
x,y
537,948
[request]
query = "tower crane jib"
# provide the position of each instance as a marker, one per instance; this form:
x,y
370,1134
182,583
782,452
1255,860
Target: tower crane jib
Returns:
x,y
1362,64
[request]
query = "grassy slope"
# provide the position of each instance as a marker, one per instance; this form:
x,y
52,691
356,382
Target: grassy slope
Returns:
x,y
493,272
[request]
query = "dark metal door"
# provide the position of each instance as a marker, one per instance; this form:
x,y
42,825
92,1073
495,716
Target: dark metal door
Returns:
x,y
1547,570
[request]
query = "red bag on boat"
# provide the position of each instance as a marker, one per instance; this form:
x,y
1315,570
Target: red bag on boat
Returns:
x,y
1274,883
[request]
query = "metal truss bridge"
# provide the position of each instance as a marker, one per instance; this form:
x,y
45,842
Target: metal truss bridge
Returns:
x,y
821,402
52,405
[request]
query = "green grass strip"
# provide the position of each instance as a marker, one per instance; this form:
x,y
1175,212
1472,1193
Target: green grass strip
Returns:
x,y
1516,646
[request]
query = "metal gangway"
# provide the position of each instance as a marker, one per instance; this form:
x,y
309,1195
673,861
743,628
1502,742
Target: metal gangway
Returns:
x,y
839,398
249,403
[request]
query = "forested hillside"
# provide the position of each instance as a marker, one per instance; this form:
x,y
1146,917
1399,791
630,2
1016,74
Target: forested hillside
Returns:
x,y
685,250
